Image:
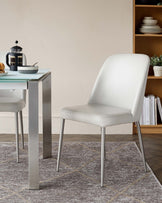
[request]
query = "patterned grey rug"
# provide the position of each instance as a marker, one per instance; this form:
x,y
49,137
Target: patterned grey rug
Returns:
x,y
79,176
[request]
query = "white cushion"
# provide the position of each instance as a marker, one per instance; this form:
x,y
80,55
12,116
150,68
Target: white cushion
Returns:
x,y
101,115
11,104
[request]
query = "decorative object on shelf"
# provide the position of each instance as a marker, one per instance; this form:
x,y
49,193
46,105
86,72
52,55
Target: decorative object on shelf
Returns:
x,y
147,2
15,58
150,26
156,62
149,21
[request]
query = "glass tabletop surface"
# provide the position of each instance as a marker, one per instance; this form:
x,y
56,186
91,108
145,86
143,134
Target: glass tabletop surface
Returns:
x,y
15,76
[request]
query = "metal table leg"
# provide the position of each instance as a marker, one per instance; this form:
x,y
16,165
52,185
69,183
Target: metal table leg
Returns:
x,y
33,137
47,138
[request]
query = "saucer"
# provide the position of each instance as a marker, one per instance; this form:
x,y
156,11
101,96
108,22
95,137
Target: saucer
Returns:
x,y
3,74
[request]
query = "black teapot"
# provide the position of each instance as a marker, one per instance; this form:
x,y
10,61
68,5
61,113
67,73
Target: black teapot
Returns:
x,y
15,58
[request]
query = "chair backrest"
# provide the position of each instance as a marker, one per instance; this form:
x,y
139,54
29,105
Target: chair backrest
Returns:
x,y
11,93
21,94
121,82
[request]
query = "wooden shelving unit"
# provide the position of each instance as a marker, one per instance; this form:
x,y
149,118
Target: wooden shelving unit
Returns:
x,y
150,44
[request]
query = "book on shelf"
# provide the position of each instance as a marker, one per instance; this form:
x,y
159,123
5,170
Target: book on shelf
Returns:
x,y
159,108
152,109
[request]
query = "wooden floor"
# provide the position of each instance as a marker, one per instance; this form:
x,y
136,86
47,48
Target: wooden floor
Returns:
x,y
152,144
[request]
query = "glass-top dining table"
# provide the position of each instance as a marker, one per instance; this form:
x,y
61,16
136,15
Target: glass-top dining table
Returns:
x,y
30,82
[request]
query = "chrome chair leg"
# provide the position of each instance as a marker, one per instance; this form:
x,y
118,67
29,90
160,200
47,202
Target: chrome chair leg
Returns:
x,y
17,135
102,154
105,147
60,143
22,129
104,144
141,144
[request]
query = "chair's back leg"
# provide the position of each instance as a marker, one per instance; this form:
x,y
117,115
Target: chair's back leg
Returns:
x,y
60,143
105,146
22,129
17,135
141,144
102,154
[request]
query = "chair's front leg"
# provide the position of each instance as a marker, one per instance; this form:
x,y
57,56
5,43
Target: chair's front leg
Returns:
x,y
104,144
141,144
60,143
102,154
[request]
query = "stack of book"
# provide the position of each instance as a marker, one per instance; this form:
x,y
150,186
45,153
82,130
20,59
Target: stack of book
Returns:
x,y
151,108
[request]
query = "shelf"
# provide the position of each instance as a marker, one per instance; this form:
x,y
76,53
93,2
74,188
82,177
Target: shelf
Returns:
x,y
148,6
152,126
151,77
148,35
149,129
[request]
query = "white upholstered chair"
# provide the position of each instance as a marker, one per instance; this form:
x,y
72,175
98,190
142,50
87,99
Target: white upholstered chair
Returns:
x,y
116,98
14,101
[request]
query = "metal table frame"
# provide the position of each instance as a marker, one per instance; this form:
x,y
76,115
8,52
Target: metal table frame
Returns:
x,y
33,127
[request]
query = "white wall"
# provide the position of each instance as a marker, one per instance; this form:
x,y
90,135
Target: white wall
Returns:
x,y
72,38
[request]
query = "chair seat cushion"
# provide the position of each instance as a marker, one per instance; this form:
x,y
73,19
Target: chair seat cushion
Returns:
x,y
11,104
96,114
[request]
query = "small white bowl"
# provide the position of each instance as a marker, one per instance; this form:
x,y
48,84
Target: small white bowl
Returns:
x,y
150,21
148,17
27,69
